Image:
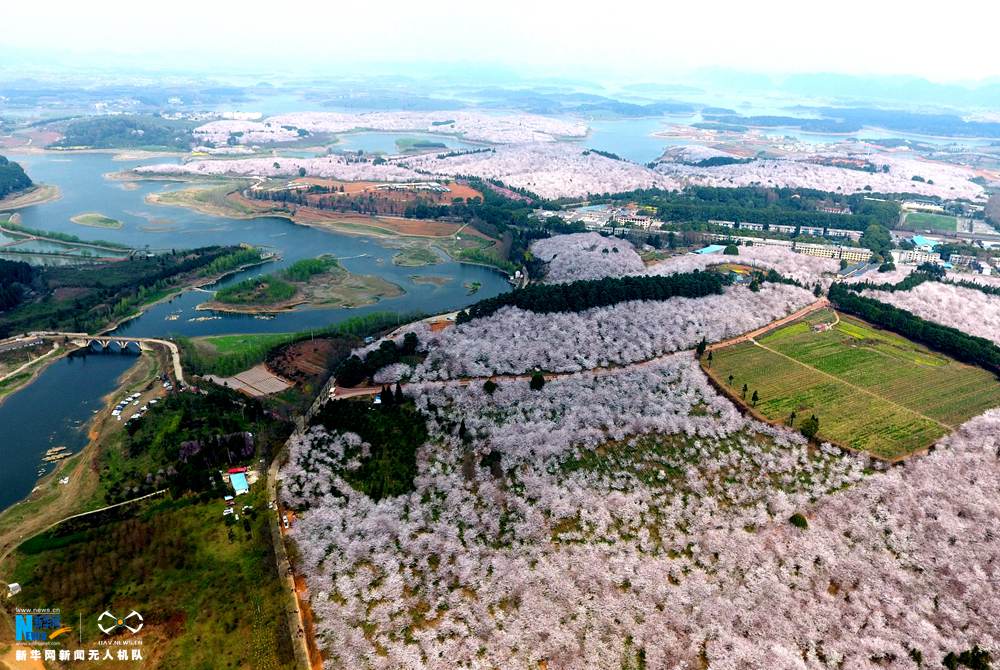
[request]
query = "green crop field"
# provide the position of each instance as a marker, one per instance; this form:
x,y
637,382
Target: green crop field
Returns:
x,y
927,221
872,390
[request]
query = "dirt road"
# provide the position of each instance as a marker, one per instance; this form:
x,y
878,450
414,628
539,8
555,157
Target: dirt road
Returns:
x,y
296,620
753,334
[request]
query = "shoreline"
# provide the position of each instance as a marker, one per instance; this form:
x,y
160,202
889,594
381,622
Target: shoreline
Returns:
x,y
81,243
37,367
300,299
175,292
892,134
329,225
39,194
50,502
276,308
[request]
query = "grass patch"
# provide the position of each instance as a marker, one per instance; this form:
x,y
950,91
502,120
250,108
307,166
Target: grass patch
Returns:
x,y
226,355
265,290
317,281
928,221
96,220
416,257
209,199
871,389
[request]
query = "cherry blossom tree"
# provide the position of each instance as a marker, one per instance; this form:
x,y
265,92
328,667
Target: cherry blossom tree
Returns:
x,y
586,256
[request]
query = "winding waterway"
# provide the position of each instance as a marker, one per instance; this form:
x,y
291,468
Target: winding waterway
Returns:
x,y
54,409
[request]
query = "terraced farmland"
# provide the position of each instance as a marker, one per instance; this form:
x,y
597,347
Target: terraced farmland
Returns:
x,y
871,389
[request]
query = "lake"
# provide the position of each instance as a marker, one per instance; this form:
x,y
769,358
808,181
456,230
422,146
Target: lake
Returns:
x,y
52,411
84,189
56,407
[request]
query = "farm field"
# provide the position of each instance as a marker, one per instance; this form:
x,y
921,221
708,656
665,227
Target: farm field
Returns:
x,y
872,390
927,221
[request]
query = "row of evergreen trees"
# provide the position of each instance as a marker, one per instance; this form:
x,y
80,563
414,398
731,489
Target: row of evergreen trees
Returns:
x,y
581,295
951,341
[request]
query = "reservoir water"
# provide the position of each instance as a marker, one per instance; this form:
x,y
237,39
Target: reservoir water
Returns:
x,y
52,411
55,408
85,189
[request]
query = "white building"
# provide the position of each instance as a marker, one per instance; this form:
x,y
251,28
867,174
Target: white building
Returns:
x,y
841,232
915,256
782,228
921,206
962,259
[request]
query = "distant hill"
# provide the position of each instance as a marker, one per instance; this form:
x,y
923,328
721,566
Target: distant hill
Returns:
x,y
12,177
120,132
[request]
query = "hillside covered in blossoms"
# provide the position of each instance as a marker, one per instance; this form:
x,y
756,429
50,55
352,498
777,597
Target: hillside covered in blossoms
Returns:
x,y
624,513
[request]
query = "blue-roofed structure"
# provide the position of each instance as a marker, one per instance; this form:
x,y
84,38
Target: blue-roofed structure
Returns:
x,y
712,249
239,483
922,242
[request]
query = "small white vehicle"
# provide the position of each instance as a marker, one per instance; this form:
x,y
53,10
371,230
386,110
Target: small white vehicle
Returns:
x,y
284,521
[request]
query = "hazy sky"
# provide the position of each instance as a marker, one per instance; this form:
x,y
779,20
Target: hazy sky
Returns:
x,y
954,42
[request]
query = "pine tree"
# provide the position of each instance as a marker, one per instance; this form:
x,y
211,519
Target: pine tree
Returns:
x,y
537,381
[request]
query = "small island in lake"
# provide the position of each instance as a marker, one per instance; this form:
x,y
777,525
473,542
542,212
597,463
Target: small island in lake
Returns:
x,y
319,281
96,220
416,256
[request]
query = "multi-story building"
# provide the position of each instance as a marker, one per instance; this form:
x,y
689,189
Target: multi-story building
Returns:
x,y
962,259
724,224
815,231
629,219
915,256
849,254
759,241
782,228
745,225
855,254
842,232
